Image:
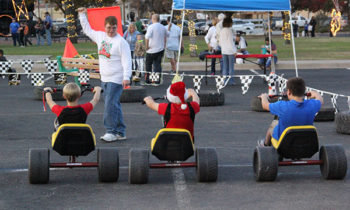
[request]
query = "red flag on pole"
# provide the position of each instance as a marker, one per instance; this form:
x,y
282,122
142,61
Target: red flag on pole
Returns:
x,y
97,17
69,50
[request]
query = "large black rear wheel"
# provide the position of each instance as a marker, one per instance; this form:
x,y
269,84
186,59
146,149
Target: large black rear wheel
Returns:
x,y
39,166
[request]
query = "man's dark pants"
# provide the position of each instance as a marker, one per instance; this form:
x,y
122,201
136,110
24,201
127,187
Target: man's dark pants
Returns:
x,y
153,59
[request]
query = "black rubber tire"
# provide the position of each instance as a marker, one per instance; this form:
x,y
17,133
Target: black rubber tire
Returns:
x,y
265,163
207,164
39,166
133,94
38,94
138,166
342,122
211,98
108,164
255,104
325,114
334,161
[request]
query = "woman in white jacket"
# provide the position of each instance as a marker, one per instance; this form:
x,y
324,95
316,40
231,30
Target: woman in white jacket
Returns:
x,y
228,48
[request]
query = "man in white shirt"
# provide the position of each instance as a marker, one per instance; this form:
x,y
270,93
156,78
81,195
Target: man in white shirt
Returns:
x,y
115,69
172,43
212,43
241,45
155,42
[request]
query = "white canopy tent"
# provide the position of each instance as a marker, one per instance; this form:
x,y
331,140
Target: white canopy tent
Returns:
x,y
235,5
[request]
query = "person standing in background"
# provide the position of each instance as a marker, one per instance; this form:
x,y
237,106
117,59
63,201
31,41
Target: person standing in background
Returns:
x,y
172,44
131,37
228,49
14,26
26,34
212,43
48,25
40,31
313,24
155,43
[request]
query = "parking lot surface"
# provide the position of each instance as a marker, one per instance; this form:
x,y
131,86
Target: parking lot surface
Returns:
x,y
233,129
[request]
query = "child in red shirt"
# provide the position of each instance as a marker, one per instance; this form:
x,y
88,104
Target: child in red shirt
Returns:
x,y
177,113
73,112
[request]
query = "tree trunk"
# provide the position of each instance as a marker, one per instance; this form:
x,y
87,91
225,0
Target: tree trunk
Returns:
x,y
71,25
286,29
192,33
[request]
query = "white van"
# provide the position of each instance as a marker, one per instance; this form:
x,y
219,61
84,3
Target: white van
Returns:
x,y
300,21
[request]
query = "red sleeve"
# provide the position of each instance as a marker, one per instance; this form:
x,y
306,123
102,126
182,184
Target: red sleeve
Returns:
x,y
88,107
162,108
57,109
195,107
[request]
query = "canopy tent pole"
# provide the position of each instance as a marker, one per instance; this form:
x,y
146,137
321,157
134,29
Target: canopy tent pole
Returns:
x,y
292,34
273,69
179,51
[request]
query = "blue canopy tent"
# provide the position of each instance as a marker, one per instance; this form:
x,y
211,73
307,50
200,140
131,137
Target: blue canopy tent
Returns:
x,y
236,5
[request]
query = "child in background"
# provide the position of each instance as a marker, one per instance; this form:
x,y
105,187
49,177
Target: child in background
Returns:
x,y
140,51
73,112
26,34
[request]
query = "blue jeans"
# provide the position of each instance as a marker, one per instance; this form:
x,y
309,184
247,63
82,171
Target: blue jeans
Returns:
x,y
268,62
15,38
228,67
39,39
113,115
48,36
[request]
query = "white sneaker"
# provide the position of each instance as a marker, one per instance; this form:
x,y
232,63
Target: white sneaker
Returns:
x,y
109,137
119,137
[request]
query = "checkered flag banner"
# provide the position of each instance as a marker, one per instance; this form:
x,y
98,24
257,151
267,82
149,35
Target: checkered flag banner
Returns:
x,y
220,82
154,77
282,84
85,56
51,65
27,66
272,80
84,77
246,80
4,67
37,79
14,79
334,102
197,82
60,79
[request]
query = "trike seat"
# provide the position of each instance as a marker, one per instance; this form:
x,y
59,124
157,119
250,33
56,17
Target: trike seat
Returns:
x,y
172,144
297,142
74,139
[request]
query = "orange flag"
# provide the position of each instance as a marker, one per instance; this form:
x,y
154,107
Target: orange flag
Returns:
x,y
97,18
69,50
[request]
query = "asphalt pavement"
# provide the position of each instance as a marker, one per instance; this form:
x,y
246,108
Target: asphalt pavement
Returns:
x,y
233,129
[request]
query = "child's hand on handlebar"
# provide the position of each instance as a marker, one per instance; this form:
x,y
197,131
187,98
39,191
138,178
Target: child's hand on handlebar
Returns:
x,y
264,95
48,89
97,89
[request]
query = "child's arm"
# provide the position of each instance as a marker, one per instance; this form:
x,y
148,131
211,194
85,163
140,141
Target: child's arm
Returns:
x,y
192,93
316,95
151,103
265,101
48,97
96,98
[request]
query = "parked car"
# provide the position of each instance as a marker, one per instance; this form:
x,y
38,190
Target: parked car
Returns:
x,y
242,26
200,28
301,21
60,27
